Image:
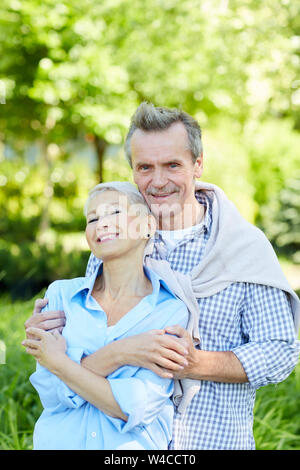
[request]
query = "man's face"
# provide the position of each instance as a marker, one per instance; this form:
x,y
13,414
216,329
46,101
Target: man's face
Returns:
x,y
164,171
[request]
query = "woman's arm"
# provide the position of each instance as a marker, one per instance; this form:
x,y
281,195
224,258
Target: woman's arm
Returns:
x,y
135,400
93,388
50,351
155,350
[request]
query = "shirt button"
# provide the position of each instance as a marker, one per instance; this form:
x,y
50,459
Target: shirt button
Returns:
x,y
93,434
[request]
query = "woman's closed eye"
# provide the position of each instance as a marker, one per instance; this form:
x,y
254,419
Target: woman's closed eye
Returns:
x,y
94,219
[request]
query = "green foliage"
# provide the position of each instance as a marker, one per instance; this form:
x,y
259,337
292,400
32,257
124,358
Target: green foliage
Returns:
x,y
281,220
226,165
19,406
41,218
32,266
273,155
277,415
69,70
116,167
80,72
249,164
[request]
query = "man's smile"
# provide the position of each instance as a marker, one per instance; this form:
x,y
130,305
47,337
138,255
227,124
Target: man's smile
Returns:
x,y
161,196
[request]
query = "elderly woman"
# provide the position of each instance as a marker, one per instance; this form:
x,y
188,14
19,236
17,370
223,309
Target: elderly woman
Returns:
x,y
131,407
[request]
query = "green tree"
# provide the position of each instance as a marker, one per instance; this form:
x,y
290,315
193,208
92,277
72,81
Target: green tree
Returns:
x,y
72,70
79,71
282,220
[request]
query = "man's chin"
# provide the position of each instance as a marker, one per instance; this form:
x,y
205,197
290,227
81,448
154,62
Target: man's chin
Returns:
x,y
162,201
165,213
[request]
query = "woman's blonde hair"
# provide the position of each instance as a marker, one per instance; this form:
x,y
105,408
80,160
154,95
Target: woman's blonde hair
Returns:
x,y
123,187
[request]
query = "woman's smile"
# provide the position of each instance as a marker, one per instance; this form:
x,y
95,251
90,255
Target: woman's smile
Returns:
x,y
106,237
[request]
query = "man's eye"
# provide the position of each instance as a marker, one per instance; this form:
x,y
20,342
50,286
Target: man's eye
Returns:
x,y
173,165
92,220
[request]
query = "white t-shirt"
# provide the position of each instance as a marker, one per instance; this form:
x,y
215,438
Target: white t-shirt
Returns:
x,y
172,237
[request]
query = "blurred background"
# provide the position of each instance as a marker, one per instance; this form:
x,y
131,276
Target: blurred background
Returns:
x,y
71,76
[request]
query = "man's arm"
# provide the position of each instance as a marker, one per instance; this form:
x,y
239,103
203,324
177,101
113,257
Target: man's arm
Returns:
x,y
269,355
168,355
216,366
48,321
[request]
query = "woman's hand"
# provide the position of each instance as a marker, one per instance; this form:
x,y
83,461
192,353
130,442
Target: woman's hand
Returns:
x,y
47,347
165,354
192,356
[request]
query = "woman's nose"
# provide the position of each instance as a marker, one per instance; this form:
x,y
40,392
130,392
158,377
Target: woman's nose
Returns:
x,y
102,222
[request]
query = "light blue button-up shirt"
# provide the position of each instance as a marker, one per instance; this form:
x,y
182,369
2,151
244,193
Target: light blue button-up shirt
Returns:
x,y
70,422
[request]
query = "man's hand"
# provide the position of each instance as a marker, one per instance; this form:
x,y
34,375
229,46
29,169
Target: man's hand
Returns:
x,y
216,366
47,347
48,321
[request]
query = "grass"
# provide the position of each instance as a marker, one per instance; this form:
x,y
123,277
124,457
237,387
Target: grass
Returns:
x,y
19,404
277,415
277,408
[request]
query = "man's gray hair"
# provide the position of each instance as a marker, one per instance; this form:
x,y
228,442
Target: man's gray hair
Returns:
x,y
123,187
151,118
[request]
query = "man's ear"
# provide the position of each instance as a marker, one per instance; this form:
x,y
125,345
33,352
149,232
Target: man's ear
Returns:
x,y
198,168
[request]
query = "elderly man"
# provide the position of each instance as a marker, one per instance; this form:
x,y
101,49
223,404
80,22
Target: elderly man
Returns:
x,y
248,314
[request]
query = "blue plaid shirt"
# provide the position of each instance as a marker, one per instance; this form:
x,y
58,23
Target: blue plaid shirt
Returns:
x,y
253,321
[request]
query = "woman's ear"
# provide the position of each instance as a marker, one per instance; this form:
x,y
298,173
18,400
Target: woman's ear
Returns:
x,y
151,226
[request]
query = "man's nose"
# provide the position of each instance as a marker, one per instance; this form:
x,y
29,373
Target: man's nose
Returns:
x,y
159,179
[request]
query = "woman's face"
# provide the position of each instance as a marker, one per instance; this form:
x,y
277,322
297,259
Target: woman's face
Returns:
x,y
114,226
